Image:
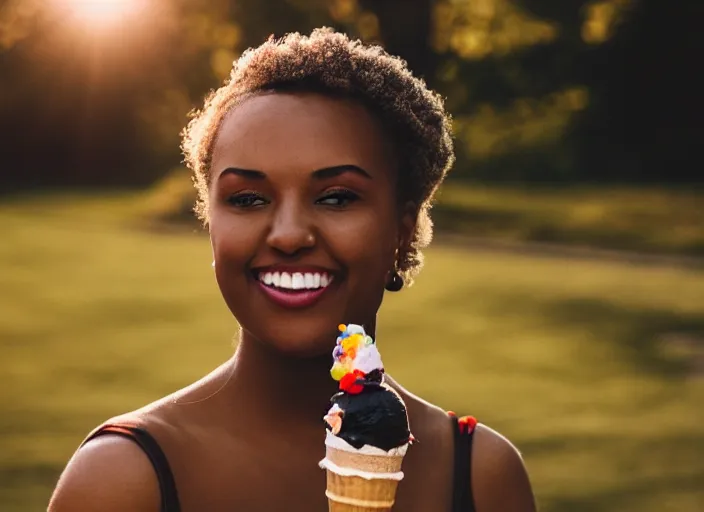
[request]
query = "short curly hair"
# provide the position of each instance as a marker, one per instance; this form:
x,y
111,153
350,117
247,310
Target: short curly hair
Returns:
x,y
328,62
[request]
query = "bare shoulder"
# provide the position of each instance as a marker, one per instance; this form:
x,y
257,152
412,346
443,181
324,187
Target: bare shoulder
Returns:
x,y
109,473
497,468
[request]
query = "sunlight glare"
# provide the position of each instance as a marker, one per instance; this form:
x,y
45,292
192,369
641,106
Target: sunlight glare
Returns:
x,y
102,11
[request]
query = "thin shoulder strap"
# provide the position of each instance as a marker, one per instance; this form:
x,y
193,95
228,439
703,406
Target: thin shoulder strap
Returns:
x,y
462,498
167,485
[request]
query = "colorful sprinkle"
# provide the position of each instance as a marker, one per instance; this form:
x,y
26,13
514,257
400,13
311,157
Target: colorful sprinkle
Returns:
x,y
352,382
338,371
355,355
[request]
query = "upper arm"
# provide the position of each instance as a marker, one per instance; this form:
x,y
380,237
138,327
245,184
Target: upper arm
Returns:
x,y
499,478
109,473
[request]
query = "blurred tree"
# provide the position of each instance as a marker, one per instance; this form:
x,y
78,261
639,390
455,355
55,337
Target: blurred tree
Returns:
x,y
648,101
623,67
541,90
406,29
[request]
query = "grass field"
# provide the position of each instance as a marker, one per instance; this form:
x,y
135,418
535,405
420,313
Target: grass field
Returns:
x,y
581,363
653,220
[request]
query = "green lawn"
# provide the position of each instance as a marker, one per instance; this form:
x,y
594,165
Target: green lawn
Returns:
x,y
652,220
577,361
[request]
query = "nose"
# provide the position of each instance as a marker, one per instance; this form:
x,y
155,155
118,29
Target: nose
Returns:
x,y
291,229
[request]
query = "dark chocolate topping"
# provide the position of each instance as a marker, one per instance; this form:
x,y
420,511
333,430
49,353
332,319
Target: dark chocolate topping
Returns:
x,y
377,416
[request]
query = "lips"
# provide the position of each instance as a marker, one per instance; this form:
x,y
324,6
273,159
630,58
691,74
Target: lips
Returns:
x,y
289,280
294,288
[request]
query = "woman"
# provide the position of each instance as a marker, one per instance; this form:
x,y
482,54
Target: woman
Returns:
x,y
315,166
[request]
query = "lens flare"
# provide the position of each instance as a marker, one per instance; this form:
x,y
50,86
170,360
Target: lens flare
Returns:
x,y
102,12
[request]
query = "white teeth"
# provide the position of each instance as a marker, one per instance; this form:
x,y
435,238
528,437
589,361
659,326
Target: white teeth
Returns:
x,y
297,281
285,280
309,280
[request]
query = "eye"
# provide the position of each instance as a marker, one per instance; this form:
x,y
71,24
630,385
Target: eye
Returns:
x,y
338,198
246,200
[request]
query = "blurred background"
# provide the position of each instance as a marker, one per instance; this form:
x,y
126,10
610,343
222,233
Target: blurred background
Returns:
x,y
564,295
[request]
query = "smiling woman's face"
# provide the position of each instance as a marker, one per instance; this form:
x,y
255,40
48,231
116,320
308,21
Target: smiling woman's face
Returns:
x,y
304,219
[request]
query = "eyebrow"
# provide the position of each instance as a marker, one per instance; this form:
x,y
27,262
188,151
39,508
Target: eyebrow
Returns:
x,y
249,174
331,172
320,174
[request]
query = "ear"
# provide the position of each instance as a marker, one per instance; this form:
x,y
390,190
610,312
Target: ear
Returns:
x,y
407,224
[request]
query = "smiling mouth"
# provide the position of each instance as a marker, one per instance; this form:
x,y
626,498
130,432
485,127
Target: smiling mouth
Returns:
x,y
294,289
293,282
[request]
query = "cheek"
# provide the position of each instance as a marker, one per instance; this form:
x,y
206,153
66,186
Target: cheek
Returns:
x,y
234,245
364,241
233,240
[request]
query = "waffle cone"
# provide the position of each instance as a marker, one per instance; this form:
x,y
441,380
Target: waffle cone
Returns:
x,y
349,493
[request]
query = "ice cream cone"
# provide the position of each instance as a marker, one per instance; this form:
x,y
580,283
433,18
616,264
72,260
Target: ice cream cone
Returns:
x,y
367,429
353,493
361,480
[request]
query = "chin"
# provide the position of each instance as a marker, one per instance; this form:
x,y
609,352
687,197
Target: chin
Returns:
x,y
305,331
299,339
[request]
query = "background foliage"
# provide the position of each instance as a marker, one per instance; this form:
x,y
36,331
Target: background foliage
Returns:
x,y
556,91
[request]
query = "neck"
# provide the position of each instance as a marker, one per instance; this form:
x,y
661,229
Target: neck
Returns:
x,y
271,386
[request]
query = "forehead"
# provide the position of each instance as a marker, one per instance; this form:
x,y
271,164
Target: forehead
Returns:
x,y
303,131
